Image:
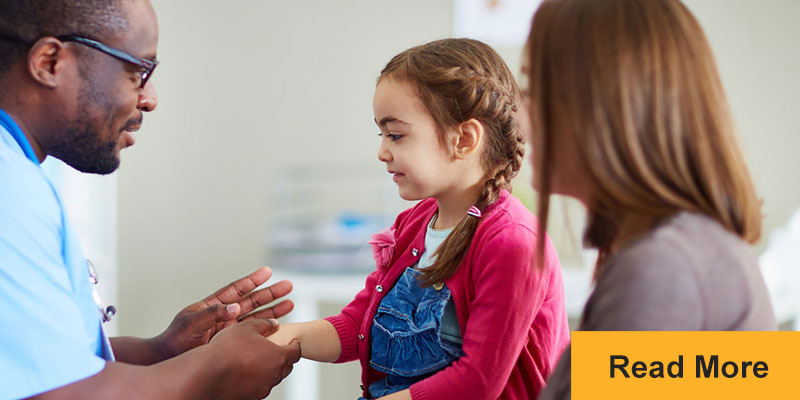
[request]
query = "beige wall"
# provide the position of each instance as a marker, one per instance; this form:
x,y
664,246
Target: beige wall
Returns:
x,y
248,87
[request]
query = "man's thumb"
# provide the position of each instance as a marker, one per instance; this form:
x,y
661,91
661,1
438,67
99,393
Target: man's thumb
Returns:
x,y
265,327
219,313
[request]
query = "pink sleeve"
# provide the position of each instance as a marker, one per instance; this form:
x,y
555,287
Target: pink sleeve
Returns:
x,y
509,290
348,322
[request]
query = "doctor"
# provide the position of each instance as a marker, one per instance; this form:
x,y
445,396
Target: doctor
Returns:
x,y
74,83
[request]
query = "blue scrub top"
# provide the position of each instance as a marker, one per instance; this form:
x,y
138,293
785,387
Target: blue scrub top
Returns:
x,y
51,332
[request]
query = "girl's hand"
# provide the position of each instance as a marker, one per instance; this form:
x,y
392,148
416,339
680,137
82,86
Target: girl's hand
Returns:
x,y
251,364
318,339
284,335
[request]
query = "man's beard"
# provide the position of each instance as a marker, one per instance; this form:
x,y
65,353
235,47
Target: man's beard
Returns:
x,y
81,145
81,148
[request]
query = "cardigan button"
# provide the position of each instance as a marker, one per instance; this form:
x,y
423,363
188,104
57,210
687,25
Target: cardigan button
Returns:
x,y
414,252
379,289
360,337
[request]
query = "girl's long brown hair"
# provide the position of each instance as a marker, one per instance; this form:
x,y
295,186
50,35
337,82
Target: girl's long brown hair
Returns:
x,y
634,82
458,80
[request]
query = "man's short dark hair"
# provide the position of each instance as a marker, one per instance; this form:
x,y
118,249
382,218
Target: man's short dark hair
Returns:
x,y
28,20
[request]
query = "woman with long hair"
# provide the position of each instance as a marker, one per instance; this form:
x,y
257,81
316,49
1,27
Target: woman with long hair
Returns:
x,y
628,115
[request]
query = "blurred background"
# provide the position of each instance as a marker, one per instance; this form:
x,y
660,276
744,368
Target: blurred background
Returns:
x,y
263,152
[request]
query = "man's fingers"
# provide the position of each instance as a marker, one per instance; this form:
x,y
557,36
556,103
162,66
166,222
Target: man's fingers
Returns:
x,y
287,370
265,327
234,291
293,351
276,311
265,296
208,317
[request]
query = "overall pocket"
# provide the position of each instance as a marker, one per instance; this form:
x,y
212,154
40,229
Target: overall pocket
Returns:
x,y
405,333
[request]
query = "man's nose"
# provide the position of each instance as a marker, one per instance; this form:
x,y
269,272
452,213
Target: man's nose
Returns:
x,y
148,98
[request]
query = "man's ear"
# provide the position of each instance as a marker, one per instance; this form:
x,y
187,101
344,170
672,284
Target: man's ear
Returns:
x,y
46,61
469,135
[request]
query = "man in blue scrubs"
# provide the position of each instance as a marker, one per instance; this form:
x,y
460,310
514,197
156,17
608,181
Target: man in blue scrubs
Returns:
x,y
74,85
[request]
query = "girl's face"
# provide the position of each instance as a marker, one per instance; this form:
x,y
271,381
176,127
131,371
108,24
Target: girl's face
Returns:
x,y
421,166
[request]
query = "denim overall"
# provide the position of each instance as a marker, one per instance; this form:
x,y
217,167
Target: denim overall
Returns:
x,y
415,332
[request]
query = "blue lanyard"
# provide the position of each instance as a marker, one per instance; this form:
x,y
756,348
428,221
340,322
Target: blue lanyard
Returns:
x,y
12,128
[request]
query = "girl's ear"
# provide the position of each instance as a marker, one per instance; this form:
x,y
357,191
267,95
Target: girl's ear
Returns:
x,y
469,135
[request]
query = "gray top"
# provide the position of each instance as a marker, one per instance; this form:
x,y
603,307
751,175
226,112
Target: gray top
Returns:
x,y
688,274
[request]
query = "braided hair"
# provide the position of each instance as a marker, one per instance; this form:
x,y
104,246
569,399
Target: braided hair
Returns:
x,y
458,80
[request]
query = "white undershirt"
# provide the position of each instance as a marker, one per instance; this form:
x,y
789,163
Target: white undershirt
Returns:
x,y
433,239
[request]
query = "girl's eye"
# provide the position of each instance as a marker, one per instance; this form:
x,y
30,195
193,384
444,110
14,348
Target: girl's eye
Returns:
x,y
392,137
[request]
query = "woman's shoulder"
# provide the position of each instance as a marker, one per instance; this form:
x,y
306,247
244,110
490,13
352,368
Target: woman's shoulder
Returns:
x,y
685,244
692,239
688,262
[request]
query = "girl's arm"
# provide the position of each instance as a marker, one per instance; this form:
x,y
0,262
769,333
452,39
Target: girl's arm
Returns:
x,y
401,395
334,339
318,339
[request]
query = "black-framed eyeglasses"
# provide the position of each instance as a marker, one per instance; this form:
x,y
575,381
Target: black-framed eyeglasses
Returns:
x,y
147,66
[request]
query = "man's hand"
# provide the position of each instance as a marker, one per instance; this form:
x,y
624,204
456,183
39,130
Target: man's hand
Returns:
x,y
196,324
252,364
238,363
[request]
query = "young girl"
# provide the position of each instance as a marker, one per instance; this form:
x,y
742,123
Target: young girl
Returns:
x,y
459,306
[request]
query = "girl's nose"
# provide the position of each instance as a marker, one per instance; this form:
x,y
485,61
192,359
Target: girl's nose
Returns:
x,y
383,153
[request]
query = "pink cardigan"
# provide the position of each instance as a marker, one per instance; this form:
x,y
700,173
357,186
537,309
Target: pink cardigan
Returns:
x,y
511,314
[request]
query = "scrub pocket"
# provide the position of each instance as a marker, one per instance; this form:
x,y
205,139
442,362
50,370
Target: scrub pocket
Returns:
x,y
408,339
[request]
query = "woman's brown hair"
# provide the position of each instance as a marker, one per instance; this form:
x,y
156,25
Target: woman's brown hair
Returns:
x,y
458,80
634,82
